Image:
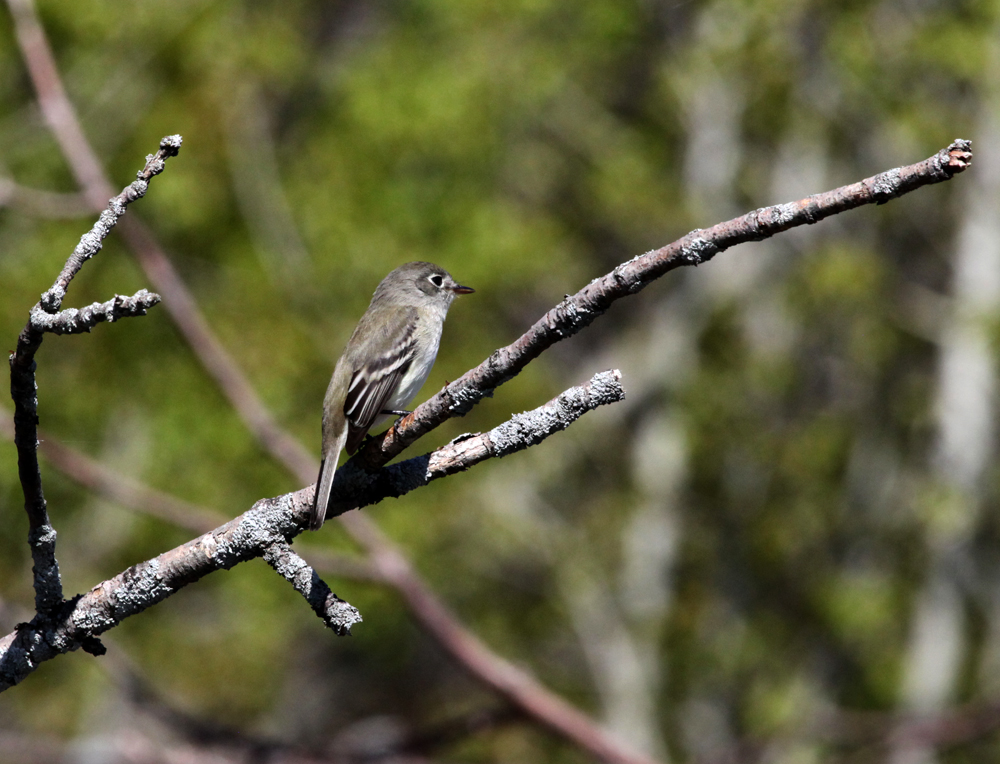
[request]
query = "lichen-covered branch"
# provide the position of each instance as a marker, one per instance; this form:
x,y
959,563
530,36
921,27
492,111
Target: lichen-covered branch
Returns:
x,y
92,241
23,389
79,320
335,613
78,622
354,487
135,495
265,530
531,427
577,311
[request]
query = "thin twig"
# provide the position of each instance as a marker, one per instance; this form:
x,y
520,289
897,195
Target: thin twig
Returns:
x,y
80,320
92,241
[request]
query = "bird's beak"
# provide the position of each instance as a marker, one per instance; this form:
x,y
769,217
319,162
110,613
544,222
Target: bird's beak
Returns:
x,y
459,289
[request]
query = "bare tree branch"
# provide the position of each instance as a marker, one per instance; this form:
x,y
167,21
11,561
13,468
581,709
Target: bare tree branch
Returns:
x,y
87,616
699,246
55,105
264,531
336,614
521,431
91,242
78,321
23,390
134,495
212,354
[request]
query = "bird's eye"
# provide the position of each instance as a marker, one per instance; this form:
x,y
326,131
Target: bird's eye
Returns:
x,y
436,280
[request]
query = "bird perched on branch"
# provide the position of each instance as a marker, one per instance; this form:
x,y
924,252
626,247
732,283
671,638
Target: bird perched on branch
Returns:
x,y
386,362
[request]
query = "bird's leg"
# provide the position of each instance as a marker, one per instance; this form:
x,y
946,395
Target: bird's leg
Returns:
x,y
398,413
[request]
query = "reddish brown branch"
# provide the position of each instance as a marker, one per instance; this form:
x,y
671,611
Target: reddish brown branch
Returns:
x,y
518,686
213,356
55,105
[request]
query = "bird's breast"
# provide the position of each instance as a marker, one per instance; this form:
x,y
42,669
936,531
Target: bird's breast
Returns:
x,y
418,372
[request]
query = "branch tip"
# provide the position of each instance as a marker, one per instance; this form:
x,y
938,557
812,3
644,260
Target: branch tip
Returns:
x,y
171,144
76,321
338,615
959,155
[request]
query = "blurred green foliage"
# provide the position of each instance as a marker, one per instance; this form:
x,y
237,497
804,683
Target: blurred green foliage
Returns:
x,y
752,529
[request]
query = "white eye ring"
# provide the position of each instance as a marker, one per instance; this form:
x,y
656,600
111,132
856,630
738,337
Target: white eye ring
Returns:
x,y
436,280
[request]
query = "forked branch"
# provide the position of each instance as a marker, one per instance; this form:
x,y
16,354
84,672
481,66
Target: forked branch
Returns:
x,y
264,531
23,390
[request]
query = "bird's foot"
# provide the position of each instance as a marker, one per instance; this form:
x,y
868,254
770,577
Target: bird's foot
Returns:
x,y
396,412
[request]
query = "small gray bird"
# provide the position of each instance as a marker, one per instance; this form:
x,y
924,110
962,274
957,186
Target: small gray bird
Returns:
x,y
385,364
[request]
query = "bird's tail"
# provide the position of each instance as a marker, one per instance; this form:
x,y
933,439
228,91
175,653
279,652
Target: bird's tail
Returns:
x,y
324,483
333,444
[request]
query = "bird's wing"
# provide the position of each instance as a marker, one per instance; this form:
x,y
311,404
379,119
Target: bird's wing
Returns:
x,y
373,384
